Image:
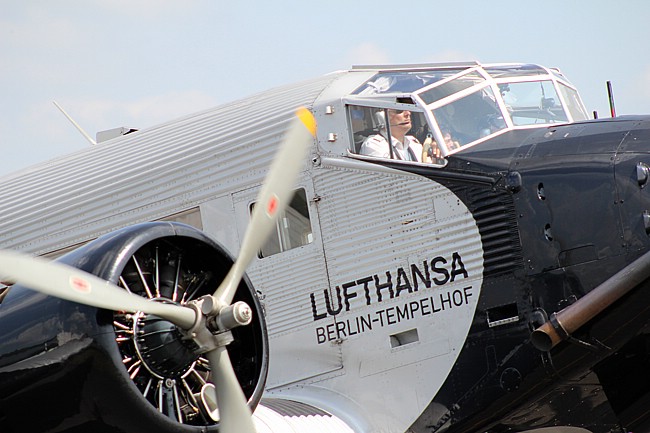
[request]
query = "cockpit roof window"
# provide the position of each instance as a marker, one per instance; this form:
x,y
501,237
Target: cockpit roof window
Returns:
x,y
402,81
449,88
507,71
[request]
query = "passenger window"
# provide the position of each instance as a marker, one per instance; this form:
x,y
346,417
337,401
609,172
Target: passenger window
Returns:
x,y
293,228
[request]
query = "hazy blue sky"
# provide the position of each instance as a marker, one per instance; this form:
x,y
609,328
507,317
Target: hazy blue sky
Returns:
x,y
138,63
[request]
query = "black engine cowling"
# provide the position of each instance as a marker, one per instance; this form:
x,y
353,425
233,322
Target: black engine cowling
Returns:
x,y
66,367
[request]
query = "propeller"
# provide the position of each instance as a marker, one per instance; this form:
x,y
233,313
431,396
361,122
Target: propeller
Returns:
x,y
272,199
199,319
72,284
271,202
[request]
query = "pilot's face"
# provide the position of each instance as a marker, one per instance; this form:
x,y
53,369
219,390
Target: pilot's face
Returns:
x,y
399,120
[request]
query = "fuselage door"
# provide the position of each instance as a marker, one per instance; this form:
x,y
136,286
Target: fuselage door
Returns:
x,y
290,267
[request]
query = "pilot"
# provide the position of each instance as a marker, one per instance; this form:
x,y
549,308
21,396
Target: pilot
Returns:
x,y
404,147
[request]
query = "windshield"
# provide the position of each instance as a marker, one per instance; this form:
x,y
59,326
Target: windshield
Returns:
x,y
533,102
469,118
459,106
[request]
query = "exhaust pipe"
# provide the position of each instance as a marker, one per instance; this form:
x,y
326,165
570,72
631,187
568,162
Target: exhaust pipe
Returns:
x,y
565,322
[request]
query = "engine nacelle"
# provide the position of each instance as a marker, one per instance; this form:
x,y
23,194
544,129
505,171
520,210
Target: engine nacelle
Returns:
x,y
69,367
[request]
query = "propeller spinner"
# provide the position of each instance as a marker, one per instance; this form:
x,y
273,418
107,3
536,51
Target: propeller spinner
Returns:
x,y
208,320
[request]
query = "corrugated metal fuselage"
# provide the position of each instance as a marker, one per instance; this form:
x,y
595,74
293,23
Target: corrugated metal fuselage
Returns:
x,y
411,306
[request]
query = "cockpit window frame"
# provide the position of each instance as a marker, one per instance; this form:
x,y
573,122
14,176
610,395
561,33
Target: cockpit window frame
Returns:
x,y
424,100
420,118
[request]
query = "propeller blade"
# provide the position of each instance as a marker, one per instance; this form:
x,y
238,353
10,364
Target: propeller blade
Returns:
x,y
66,282
234,414
273,199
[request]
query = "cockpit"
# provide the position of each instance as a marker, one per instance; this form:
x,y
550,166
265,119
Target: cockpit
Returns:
x,y
456,106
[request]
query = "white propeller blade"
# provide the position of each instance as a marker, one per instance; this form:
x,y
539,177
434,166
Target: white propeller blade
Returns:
x,y
66,282
271,203
273,198
234,414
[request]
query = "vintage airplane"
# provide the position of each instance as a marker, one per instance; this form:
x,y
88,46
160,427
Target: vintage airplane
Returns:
x,y
496,282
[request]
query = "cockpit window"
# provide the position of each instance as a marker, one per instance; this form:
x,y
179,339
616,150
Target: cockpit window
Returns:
x,y
390,133
470,118
454,106
454,86
402,82
513,71
533,102
573,102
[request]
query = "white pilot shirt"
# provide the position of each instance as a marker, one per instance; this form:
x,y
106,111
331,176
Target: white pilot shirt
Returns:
x,y
377,145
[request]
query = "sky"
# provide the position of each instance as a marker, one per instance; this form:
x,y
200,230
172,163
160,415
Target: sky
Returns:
x,y
138,63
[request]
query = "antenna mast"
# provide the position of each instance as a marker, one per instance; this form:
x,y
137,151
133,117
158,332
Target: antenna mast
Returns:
x,y
75,124
610,95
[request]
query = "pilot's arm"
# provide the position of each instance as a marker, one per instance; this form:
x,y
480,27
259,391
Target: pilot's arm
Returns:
x,y
375,145
431,151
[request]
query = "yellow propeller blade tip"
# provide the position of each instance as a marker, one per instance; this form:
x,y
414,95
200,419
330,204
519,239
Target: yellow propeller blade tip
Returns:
x,y
307,119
